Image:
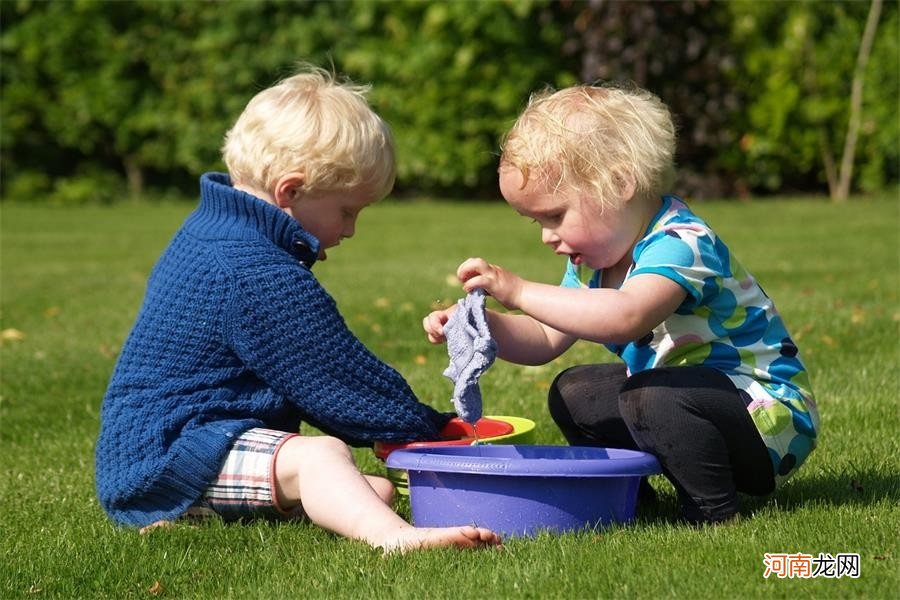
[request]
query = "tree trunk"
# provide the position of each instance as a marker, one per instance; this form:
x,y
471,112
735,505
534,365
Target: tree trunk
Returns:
x,y
135,177
831,175
845,175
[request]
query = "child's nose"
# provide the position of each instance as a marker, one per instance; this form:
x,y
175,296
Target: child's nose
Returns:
x,y
548,236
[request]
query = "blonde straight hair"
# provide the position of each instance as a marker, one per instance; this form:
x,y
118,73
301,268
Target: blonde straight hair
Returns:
x,y
311,123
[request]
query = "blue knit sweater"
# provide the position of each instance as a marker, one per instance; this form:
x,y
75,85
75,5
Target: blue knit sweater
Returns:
x,y
235,332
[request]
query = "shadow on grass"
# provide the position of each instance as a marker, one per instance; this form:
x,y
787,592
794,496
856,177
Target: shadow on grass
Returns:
x,y
861,487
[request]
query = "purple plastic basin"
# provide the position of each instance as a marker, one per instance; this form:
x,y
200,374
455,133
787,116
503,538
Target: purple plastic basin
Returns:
x,y
521,490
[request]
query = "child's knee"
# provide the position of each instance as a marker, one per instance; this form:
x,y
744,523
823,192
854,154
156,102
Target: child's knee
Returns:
x,y
300,449
383,487
558,398
648,402
328,445
555,402
300,454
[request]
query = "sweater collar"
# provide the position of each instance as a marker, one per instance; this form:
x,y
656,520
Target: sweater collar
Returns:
x,y
222,207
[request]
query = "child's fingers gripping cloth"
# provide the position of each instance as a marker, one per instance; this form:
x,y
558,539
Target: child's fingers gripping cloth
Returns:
x,y
472,350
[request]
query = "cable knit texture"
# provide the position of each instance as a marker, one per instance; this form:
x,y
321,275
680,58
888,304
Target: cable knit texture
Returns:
x,y
235,332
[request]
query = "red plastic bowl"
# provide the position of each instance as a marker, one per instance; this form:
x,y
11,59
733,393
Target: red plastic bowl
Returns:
x,y
455,433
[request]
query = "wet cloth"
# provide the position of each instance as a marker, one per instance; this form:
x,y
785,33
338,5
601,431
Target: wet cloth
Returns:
x,y
472,350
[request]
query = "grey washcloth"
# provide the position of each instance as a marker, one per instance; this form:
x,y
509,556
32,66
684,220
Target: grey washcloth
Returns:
x,y
472,350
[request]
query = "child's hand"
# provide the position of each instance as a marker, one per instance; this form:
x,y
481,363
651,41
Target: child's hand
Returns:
x,y
434,324
504,286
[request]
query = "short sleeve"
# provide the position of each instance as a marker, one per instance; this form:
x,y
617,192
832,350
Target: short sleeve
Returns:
x,y
571,277
687,253
577,276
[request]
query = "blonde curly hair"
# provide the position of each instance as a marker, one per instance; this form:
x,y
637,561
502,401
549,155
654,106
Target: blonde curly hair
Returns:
x,y
594,139
311,123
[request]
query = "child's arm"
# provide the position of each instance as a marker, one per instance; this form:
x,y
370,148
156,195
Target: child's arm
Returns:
x,y
520,338
524,340
601,315
286,328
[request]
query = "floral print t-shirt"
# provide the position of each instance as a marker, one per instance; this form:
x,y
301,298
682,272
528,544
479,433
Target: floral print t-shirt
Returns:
x,y
727,322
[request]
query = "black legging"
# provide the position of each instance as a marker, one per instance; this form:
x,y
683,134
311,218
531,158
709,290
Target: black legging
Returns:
x,y
691,418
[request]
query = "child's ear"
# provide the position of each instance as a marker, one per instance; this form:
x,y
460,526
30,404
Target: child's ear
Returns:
x,y
288,189
625,184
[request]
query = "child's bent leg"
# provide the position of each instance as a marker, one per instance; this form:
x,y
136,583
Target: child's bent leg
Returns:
x,y
383,487
584,404
318,473
694,421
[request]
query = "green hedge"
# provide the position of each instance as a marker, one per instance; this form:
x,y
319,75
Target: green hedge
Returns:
x,y
102,100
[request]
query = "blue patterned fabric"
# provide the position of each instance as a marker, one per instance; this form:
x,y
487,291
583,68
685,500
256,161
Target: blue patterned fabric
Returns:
x,y
235,332
472,351
728,322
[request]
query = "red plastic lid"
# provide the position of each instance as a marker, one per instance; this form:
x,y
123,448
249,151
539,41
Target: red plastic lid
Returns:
x,y
455,433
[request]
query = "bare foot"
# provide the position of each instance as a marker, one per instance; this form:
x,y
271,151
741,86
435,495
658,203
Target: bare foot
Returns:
x,y
421,538
153,526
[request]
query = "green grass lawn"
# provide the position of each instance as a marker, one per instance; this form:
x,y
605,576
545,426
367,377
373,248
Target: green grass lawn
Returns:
x,y
72,281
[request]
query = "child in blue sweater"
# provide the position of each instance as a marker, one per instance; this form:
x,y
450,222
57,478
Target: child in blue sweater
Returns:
x,y
237,342
709,381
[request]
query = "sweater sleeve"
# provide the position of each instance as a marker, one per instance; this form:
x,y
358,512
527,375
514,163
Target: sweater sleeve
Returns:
x,y
286,328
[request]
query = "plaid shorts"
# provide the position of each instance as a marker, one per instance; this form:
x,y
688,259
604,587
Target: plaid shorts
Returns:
x,y
245,488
